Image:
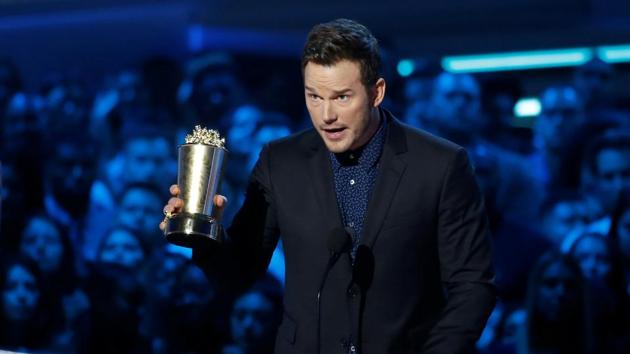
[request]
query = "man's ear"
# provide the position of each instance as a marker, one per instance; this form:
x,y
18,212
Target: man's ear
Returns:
x,y
378,92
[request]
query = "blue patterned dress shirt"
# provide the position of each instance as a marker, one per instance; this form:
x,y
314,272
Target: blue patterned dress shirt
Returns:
x,y
355,174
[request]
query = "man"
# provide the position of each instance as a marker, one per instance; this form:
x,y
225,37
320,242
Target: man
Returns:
x,y
69,179
408,199
562,113
606,167
138,212
455,110
528,179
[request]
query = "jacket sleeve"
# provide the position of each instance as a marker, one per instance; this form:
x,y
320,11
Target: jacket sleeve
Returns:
x,y
250,240
466,271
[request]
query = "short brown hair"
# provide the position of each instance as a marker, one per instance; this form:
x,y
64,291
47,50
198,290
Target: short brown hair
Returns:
x,y
342,39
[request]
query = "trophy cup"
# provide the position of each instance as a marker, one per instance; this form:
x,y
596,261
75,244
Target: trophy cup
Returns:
x,y
200,163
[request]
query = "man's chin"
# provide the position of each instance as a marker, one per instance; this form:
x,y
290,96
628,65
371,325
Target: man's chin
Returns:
x,y
336,147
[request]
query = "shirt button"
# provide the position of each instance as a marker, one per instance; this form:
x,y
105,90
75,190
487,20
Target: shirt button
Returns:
x,y
352,182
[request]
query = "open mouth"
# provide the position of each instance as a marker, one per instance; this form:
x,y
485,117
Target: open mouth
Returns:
x,y
333,130
334,133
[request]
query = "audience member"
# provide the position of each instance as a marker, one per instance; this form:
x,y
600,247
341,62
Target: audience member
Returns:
x,y
606,170
25,323
196,319
455,110
596,257
139,212
254,320
116,295
557,317
69,177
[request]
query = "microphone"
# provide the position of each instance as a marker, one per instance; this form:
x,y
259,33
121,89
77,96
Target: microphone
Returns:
x,y
339,241
362,276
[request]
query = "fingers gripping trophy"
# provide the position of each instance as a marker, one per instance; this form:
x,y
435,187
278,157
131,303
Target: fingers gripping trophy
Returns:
x,y
200,164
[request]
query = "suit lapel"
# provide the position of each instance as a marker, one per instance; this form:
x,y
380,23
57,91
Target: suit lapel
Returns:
x,y
391,168
322,180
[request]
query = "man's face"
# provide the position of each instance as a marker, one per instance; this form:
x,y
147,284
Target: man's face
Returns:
x,y
71,174
42,243
215,94
194,288
20,294
251,320
562,113
123,249
612,176
140,211
557,292
591,254
148,160
67,104
339,105
456,103
165,266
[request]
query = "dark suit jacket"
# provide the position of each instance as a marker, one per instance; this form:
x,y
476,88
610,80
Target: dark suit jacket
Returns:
x,y
425,280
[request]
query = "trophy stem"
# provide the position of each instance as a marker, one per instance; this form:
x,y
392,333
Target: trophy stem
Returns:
x,y
188,230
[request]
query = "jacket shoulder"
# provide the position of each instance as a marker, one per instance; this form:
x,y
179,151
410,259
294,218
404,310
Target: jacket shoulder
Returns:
x,y
297,144
419,140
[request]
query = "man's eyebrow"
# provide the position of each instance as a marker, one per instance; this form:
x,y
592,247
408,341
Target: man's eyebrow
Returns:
x,y
336,92
343,92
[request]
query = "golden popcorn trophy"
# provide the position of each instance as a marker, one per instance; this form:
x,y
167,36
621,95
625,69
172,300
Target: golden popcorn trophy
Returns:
x,y
200,164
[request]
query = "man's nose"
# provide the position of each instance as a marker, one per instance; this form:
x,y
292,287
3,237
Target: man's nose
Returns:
x,y
329,113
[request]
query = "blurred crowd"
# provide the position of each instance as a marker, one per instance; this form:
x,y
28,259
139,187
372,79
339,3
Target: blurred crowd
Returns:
x,y
86,168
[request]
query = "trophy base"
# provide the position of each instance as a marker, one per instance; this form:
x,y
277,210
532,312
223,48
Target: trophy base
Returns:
x,y
190,230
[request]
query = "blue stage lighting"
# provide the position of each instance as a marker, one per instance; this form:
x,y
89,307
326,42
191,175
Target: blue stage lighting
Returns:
x,y
527,107
517,60
405,67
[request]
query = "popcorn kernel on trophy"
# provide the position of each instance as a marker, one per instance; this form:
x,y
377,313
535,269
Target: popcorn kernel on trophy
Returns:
x,y
200,164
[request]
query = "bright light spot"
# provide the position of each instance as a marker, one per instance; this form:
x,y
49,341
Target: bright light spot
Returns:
x,y
405,67
614,54
517,60
527,107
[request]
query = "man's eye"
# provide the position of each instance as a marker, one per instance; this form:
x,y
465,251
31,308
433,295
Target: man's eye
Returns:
x,y
313,97
342,98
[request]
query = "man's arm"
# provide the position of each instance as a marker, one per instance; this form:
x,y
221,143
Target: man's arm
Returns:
x,y
250,240
465,262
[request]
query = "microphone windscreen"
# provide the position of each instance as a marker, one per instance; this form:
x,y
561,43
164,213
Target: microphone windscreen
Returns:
x,y
338,240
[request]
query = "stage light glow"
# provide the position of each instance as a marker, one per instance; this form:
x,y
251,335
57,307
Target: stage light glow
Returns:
x,y
614,54
539,59
527,107
405,67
